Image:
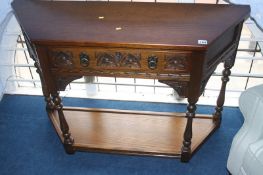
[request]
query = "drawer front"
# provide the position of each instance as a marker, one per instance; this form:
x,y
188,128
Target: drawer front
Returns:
x,y
131,60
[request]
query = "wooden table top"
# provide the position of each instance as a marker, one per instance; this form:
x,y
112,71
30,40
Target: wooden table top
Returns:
x,y
125,23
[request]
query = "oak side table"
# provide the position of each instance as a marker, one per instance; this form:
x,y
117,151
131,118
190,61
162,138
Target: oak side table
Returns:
x,y
178,44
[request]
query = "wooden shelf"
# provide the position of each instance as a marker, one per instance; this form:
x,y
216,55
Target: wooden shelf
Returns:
x,y
132,132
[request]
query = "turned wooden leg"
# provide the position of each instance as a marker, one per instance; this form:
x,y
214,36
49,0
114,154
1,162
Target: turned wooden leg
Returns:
x,y
186,148
49,103
46,93
68,140
221,98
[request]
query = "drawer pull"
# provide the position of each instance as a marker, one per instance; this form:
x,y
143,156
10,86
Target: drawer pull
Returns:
x,y
84,59
152,62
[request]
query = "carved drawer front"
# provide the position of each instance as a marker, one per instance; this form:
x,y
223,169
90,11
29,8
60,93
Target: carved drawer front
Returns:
x,y
118,59
62,59
176,61
132,60
143,60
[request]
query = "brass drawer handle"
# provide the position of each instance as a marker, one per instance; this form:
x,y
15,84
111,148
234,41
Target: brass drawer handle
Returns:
x,y
84,59
152,62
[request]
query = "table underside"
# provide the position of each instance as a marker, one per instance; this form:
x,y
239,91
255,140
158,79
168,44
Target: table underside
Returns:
x,y
132,132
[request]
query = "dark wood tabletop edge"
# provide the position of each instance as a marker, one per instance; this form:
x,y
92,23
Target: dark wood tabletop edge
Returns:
x,y
131,45
136,2
119,45
242,18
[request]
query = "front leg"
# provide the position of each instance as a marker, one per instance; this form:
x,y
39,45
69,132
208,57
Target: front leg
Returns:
x,y
68,140
221,98
186,148
49,102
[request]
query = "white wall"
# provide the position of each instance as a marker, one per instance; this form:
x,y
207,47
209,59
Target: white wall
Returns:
x,y
9,30
4,7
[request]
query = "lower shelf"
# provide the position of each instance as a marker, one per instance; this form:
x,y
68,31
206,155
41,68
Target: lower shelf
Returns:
x,y
132,132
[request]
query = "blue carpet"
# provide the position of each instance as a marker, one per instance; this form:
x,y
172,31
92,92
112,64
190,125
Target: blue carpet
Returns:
x,y
29,144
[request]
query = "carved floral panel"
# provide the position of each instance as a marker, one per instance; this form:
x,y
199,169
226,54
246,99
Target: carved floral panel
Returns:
x,y
118,59
175,62
62,59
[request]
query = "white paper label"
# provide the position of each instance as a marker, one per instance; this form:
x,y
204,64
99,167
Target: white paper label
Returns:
x,y
202,42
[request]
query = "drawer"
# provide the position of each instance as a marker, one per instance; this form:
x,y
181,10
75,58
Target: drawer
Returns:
x,y
132,60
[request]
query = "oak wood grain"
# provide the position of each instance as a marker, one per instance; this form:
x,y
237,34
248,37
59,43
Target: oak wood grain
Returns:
x,y
165,24
132,132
